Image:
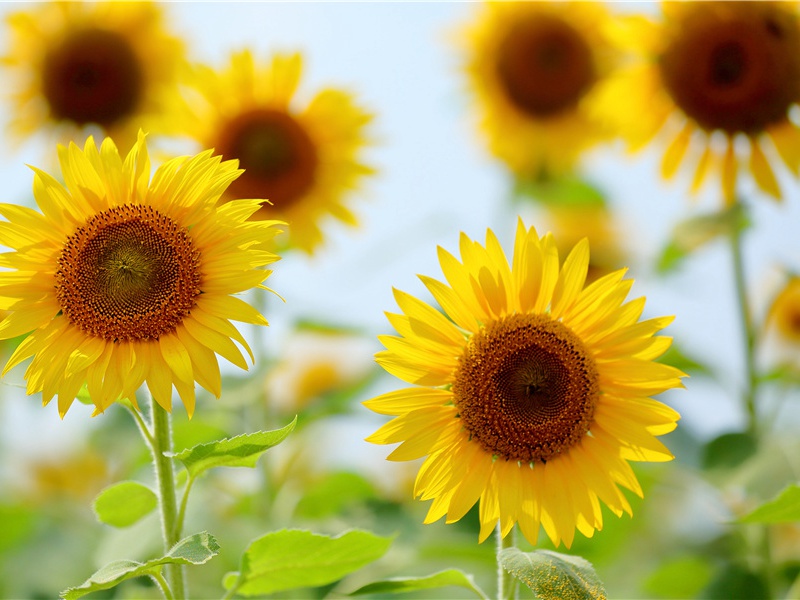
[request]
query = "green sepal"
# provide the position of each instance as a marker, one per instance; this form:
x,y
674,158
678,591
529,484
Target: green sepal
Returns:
x,y
401,585
554,576
290,559
193,550
240,451
123,504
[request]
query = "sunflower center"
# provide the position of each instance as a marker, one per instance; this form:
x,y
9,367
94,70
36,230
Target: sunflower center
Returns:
x,y
129,273
278,156
93,76
545,66
734,66
526,388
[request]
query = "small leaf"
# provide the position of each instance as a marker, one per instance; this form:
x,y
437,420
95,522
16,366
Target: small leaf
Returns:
x,y
193,550
400,585
691,234
240,451
729,450
124,503
554,576
783,509
289,559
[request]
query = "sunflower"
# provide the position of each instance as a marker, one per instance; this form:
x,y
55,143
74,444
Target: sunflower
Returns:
x,y
720,81
533,68
304,158
530,393
83,65
121,280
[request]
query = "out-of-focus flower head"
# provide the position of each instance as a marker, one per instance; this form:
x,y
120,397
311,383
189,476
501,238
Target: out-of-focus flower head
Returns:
x,y
533,68
303,156
719,83
80,68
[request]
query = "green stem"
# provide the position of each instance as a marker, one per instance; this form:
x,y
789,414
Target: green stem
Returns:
x,y
163,585
745,315
506,584
165,474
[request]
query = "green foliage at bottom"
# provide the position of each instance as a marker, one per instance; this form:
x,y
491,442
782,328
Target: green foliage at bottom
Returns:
x,y
554,576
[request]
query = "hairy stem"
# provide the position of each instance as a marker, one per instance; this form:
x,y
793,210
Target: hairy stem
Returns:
x,y
506,585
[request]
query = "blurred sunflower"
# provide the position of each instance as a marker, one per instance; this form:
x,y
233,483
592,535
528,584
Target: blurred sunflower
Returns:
x,y
720,80
303,158
533,68
595,222
530,394
121,280
784,314
82,67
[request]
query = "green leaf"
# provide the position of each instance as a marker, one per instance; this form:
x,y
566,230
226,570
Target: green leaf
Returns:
x,y
554,576
677,358
691,234
563,192
240,451
400,585
333,493
729,450
289,559
124,503
193,550
783,509
735,582
683,577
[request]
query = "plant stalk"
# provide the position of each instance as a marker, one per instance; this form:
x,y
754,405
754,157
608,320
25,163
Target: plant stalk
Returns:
x,y
506,585
165,474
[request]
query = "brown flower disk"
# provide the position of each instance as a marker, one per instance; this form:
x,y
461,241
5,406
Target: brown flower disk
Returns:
x,y
129,273
526,388
93,76
734,66
545,66
279,158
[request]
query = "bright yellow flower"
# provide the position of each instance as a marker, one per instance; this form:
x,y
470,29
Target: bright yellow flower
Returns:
x,y
719,81
302,157
530,394
122,280
534,67
75,66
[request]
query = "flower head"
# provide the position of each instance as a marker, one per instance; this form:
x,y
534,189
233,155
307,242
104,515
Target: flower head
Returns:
x,y
304,158
708,75
122,280
533,67
530,394
78,65
784,314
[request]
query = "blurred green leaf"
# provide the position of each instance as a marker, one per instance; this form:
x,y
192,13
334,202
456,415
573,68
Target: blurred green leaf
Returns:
x,y
680,578
124,503
240,451
734,582
564,192
333,493
193,550
729,450
400,585
554,576
289,559
676,357
693,233
16,523
783,509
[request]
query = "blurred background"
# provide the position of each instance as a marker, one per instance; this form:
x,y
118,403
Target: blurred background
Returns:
x,y
434,179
